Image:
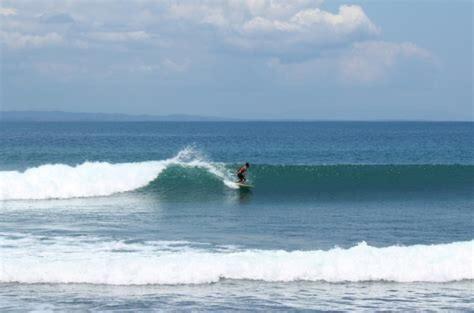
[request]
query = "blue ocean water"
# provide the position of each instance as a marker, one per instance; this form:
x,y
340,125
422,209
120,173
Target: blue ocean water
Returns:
x,y
146,216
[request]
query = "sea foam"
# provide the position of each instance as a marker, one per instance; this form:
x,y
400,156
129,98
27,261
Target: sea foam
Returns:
x,y
92,179
74,260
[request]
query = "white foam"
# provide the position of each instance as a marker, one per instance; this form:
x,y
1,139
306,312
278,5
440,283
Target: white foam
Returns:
x,y
92,179
85,260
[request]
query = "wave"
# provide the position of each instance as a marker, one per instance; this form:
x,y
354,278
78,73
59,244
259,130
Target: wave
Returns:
x,y
91,179
188,174
347,178
62,260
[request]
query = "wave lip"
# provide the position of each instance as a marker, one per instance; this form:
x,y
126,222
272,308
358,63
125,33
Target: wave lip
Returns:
x,y
121,263
92,179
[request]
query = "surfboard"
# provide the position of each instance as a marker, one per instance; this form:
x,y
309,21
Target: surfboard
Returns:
x,y
244,185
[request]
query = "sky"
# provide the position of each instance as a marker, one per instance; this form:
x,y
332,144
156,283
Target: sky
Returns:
x,y
257,59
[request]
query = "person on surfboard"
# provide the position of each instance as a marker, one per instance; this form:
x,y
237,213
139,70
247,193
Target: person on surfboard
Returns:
x,y
241,172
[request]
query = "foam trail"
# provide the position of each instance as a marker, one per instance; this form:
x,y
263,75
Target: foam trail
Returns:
x,y
67,260
92,179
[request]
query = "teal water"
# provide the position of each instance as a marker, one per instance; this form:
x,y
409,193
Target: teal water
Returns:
x,y
287,143
145,216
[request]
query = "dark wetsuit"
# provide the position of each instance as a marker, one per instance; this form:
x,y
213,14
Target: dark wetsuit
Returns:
x,y
240,173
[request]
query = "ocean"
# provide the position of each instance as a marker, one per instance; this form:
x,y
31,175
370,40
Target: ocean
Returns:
x,y
145,216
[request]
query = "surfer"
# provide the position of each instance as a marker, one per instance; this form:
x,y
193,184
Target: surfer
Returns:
x,y
241,172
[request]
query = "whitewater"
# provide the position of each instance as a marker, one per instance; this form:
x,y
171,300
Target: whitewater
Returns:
x,y
96,261
93,179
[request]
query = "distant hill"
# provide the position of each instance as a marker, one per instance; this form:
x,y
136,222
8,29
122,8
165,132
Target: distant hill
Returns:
x,y
60,116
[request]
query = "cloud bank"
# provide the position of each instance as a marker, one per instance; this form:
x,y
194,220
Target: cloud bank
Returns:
x,y
169,36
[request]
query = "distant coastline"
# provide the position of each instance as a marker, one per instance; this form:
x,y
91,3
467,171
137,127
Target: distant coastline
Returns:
x,y
62,116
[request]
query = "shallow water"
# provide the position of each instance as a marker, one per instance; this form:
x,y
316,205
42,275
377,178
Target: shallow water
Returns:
x,y
241,296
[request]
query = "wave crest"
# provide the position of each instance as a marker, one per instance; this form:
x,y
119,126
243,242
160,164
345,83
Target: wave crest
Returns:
x,y
190,174
92,179
97,262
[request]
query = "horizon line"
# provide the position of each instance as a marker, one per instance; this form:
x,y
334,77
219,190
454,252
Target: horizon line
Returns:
x,y
185,118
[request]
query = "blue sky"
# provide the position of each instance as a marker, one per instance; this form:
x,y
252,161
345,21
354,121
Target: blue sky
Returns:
x,y
240,58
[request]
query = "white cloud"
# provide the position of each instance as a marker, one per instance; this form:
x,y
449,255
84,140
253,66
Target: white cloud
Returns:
x,y
174,66
16,40
268,27
364,63
166,67
275,27
119,36
7,11
371,61
263,25
234,13
348,19
303,40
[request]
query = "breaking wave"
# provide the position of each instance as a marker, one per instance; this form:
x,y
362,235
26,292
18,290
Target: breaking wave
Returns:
x,y
188,174
71,260
90,179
